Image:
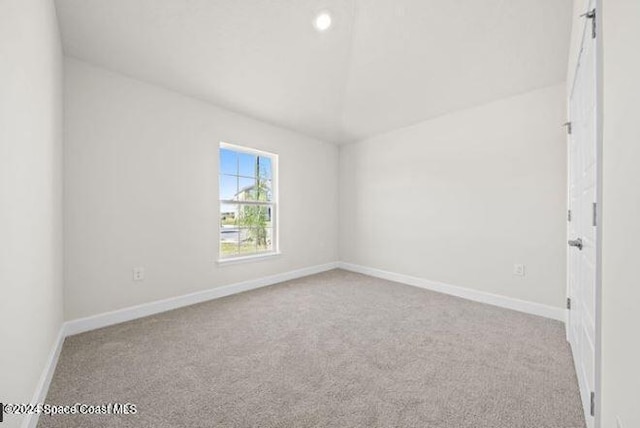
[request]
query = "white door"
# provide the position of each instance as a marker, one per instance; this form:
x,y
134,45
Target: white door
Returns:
x,y
582,225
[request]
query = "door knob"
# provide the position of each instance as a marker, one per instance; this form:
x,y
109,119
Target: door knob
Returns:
x,y
576,243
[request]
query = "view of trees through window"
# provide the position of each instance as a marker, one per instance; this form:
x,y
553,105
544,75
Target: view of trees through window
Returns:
x,y
247,206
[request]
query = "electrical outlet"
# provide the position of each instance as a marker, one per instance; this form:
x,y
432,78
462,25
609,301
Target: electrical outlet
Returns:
x,y
518,270
619,422
138,274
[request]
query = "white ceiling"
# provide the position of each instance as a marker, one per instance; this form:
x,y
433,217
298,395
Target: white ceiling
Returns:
x,y
384,64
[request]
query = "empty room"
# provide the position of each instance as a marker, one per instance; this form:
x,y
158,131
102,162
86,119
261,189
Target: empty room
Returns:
x,y
319,213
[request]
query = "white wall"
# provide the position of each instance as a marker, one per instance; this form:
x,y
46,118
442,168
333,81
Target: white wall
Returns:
x,y
621,211
30,195
461,198
141,190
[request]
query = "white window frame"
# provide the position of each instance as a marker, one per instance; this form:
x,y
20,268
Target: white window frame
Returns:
x,y
273,204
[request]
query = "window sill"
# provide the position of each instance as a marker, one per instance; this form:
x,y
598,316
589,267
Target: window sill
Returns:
x,y
245,259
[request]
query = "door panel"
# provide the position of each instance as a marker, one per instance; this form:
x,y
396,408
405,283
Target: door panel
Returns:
x,y
583,193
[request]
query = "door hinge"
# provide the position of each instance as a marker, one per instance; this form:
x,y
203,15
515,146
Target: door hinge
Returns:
x,y
593,404
592,16
568,126
568,302
568,215
595,214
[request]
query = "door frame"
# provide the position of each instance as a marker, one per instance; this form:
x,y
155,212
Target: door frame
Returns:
x,y
598,47
599,200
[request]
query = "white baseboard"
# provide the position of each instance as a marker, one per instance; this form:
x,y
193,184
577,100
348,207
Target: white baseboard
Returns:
x,y
31,421
463,292
134,312
127,314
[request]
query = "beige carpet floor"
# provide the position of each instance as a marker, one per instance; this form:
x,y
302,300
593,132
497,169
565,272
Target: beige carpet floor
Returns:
x,y
336,349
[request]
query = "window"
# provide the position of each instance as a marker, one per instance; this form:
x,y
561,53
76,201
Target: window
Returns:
x,y
248,194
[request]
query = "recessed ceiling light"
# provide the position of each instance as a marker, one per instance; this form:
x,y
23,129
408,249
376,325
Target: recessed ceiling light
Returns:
x,y
322,22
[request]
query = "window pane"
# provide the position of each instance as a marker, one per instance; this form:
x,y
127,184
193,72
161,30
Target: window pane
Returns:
x,y
229,249
247,164
228,162
247,241
228,230
263,190
254,216
229,243
250,190
228,215
228,187
265,216
265,168
247,189
264,240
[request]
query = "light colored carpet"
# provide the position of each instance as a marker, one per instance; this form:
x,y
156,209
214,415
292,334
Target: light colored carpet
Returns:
x,y
336,349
